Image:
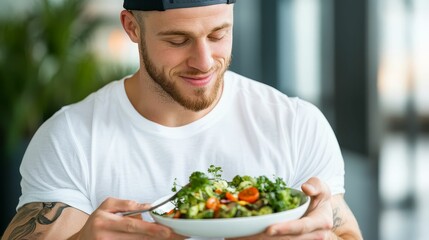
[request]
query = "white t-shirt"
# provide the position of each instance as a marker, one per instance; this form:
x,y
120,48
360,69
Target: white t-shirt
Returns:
x,y
103,147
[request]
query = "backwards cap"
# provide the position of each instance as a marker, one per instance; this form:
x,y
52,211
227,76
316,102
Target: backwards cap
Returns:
x,y
162,5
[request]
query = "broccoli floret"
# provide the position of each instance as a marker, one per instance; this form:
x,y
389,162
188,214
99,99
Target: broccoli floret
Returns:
x,y
236,181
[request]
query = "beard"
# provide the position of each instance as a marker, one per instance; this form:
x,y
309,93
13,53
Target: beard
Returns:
x,y
200,98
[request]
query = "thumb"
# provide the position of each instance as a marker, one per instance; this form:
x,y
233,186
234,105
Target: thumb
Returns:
x,y
317,190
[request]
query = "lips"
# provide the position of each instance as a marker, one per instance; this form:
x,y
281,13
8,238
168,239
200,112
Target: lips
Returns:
x,y
198,81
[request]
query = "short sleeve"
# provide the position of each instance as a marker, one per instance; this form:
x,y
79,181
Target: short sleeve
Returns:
x,y
317,148
53,169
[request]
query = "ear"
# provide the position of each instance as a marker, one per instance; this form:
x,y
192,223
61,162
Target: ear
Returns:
x,y
130,25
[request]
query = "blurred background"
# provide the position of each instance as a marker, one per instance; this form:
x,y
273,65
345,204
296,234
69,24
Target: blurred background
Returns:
x,y
364,63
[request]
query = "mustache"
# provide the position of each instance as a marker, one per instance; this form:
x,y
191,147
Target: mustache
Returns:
x,y
216,67
196,72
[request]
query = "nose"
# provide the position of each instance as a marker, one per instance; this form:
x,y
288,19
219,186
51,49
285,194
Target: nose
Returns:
x,y
201,57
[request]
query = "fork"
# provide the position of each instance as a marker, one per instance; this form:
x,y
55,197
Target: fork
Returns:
x,y
132,213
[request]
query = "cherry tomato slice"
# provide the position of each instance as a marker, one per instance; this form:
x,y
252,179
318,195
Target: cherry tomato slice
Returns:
x,y
231,197
213,203
177,214
249,195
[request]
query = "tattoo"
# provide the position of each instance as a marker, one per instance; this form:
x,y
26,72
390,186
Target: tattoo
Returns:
x,y
338,221
39,215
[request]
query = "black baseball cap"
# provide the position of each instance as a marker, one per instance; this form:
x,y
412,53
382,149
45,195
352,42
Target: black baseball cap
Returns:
x,y
162,5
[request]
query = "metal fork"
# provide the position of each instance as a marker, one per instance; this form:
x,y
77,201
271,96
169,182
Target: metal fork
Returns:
x,y
132,213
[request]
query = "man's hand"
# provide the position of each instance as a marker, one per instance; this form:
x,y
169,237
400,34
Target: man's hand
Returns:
x,y
105,224
55,220
327,217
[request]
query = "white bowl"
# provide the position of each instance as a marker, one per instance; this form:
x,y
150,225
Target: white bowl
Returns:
x,y
228,227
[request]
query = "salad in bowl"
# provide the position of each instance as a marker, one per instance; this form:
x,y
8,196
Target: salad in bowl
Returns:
x,y
240,207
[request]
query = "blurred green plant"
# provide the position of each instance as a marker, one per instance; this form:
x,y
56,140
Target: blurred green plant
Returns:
x,y
45,63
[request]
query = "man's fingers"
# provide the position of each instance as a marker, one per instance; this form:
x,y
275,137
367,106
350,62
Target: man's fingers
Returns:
x,y
152,230
133,226
130,225
114,205
298,227
319,234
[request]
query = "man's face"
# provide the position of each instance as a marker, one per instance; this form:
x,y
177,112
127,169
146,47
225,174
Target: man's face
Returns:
x,y
187,51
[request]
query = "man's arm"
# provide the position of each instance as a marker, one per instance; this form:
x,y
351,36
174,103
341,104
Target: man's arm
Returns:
x,y
328,217
48,220
60,221
345,225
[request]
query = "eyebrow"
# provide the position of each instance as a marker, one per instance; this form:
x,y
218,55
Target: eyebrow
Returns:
x,y
188,33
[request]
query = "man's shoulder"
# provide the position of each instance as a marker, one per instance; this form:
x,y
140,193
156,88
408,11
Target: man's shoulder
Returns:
x,y
83,111
240,79
247,87
103,95
243,83
257,92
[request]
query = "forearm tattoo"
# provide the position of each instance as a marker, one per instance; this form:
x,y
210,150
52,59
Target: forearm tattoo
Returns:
x,y
43,214
338,220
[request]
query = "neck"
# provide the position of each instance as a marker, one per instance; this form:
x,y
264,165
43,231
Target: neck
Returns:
x,y
145,97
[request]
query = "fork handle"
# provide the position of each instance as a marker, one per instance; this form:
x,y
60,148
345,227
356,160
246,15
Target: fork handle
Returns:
x,y
132,213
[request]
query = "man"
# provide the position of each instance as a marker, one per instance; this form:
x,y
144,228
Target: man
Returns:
x,y
182,111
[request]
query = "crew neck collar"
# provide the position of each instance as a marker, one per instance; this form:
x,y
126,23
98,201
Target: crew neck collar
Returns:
x,y
176,132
